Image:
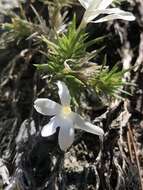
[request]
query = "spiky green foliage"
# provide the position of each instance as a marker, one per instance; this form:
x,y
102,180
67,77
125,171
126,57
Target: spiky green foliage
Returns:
x,y
65,52
20,28
69,60
109,82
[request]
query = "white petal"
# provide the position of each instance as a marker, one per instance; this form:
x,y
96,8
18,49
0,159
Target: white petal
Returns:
x,y
63,93
85,3
46,106
66,134
88,127
115,16
114,13
104,4
90,15
95,4
107,11
50,128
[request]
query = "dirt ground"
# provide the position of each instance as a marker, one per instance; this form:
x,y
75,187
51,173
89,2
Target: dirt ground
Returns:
x,y
31,162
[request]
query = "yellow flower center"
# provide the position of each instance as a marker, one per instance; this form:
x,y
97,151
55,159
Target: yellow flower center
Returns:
x,y
66,110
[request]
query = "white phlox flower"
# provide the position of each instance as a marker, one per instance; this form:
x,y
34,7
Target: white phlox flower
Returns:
x,y
63,117
94,8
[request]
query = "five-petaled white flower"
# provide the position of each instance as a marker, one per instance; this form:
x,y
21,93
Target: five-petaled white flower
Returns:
x,y
94,8
63,117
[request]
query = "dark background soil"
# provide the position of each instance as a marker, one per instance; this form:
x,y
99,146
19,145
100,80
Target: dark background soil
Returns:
x,y
36,163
